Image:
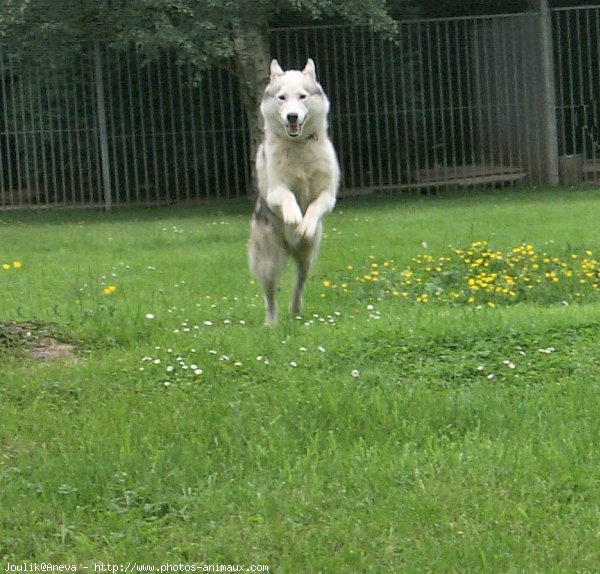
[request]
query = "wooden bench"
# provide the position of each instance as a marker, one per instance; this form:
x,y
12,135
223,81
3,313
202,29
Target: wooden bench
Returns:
x,y
591,170
454,176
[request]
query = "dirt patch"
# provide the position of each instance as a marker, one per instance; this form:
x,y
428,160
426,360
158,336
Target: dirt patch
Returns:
x,y
37,340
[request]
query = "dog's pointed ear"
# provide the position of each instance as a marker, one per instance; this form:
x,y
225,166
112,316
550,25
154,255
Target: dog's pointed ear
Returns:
x,y
309,69
276,69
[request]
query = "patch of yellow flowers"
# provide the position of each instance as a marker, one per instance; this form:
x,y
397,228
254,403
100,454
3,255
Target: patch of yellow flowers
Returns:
x,y
13,265
482,276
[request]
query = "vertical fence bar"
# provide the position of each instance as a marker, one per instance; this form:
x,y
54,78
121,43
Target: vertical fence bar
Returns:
x,y
133,135
366,81
428,107
51,135
378,97
450,57
203,138
461,104
111,126
34,141
60,136
550,133
102,130
396,113
523,67
42,131
26,191
470,90
561,92
143,134
153,136
492,143
500,121
233,134
387,98
444,90
7,187
79,198
184,132
354,171
17,147
213,133
174,150
410,107
596,141
192,100
357,114
517,106
587,130
223,130
123,140
571,100
87,107
69,129
3,158
163,131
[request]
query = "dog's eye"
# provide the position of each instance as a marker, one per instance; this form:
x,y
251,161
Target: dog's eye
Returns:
x,y
281,97
302,96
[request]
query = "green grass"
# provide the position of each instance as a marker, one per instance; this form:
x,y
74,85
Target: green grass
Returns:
x,y
374,434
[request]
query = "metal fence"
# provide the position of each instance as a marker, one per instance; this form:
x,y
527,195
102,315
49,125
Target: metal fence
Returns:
x,y
458,101
577,57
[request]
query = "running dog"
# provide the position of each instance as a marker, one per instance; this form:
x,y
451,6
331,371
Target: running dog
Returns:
x,y
298,178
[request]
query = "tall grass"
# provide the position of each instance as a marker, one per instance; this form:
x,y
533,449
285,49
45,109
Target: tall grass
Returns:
x,y
372,434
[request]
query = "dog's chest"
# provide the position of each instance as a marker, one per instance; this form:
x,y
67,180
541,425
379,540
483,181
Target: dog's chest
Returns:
x,y
303,168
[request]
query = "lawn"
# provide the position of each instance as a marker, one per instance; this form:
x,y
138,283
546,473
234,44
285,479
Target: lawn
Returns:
x,y
417,418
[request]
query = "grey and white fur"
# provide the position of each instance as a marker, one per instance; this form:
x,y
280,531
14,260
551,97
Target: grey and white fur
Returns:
x,y
298,178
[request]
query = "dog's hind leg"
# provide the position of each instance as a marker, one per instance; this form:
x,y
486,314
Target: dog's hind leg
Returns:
x,y
304,255
302,269
267,256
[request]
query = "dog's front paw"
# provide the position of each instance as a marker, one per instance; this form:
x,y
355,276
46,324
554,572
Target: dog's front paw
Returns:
x,y
308,227
291,214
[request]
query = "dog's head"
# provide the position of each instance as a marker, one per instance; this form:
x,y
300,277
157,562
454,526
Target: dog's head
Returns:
x,y
294,102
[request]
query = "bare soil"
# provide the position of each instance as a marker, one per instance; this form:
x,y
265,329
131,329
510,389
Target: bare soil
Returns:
x,y
37,340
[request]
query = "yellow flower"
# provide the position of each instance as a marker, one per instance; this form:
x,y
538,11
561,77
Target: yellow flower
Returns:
x,y
5,266
326,283
109,289
17,264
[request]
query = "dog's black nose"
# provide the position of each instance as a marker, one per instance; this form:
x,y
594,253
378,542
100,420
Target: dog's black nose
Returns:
x,y
292,118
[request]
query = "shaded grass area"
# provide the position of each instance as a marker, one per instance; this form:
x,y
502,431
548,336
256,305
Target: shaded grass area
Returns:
x,y
370,435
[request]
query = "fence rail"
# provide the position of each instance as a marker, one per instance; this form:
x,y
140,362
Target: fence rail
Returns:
x,y
453,101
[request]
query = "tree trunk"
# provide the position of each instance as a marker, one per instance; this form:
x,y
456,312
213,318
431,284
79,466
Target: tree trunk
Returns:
x,y
252,57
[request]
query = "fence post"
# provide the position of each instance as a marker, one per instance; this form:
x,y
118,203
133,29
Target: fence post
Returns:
x,y
102,131
548,88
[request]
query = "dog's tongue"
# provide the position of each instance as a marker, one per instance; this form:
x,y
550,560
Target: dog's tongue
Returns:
x,y
293,129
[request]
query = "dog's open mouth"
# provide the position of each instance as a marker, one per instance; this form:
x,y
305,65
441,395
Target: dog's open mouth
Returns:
x,y
294,130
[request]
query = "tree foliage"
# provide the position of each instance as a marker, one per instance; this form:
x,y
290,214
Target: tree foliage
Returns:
x,y
199,31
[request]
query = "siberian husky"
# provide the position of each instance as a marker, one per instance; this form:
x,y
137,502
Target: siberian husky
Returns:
x,y
298,178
